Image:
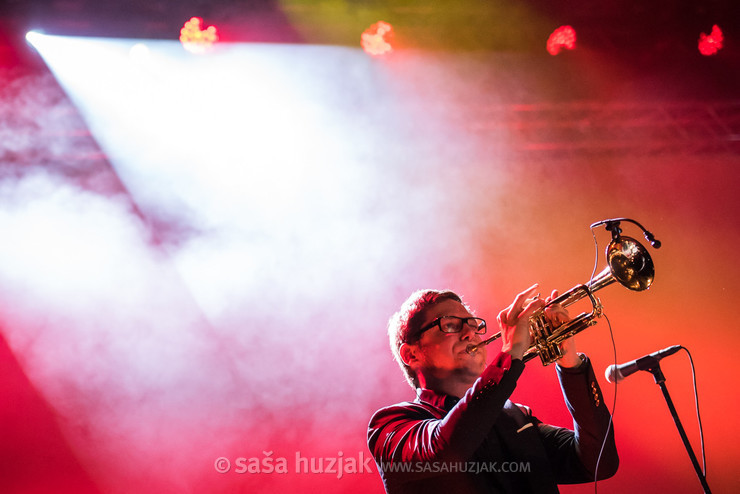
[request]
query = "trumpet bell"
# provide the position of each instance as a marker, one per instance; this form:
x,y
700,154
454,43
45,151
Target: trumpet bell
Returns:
x,y
630,263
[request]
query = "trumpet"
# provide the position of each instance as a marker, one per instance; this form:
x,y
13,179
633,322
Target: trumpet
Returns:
x,y
628,263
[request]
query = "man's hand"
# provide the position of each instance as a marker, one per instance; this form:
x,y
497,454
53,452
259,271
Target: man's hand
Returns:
x,y
514,322
570,357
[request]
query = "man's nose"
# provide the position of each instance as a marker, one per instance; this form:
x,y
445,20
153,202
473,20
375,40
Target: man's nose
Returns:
x,y
467,333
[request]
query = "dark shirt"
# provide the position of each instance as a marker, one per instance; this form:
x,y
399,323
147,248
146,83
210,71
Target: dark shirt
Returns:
x,y
483,443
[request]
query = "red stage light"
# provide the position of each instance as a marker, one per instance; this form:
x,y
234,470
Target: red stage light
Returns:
x,y
194,38
562,37
375,40
712,43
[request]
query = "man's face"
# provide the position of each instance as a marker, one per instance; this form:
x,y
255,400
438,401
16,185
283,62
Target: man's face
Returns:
x,y
442,354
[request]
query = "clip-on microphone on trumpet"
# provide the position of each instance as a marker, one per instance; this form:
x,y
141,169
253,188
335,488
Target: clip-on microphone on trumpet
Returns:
x,y
612,225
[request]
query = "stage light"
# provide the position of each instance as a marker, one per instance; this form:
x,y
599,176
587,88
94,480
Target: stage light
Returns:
x,y
562,37
710,44
195,39
139,52
33,36
375,40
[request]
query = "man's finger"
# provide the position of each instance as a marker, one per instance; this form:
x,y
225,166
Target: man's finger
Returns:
x,y
531,307
522,297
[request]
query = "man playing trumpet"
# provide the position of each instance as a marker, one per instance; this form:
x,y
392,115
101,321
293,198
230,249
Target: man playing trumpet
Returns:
x,y
462,434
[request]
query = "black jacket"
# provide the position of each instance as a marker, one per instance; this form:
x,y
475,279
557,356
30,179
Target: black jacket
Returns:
x,y
483,443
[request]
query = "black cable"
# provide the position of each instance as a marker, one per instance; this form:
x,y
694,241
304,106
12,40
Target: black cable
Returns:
x,y
611,412
614,350
596,256
698,415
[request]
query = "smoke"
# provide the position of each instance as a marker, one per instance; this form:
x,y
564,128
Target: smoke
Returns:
x,y
230,297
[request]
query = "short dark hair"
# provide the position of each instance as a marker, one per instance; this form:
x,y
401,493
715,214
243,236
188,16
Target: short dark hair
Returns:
x,y
404,325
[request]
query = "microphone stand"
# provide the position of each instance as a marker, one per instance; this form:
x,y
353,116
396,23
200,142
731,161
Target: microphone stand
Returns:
x,y
660,381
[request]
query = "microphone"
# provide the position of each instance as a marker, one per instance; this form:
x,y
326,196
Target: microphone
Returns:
x,y
615,373
612,225
651,238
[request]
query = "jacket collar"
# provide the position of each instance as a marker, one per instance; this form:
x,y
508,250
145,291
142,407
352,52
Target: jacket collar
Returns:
x,y
437,400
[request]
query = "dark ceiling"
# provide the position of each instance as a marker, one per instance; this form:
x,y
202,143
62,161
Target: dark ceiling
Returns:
x,y
442,24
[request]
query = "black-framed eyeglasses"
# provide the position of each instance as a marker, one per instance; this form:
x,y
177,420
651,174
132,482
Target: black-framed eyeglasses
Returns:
x,y
454,324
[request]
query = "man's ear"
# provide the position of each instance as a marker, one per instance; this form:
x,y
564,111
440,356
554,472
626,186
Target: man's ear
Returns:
x,y
409,354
